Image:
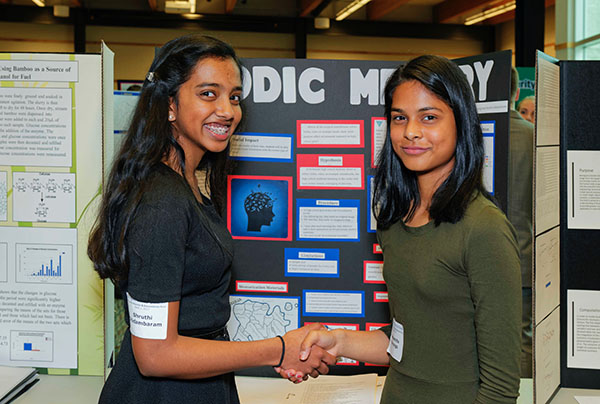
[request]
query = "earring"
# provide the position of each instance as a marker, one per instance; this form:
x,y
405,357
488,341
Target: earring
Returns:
x,y
171,117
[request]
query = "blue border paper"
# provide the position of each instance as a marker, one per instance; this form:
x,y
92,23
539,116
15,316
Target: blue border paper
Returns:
x,y
493,136
342,203
281,160
354,292
370,217
331,254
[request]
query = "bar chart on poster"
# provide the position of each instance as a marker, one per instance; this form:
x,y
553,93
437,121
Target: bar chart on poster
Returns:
x,y
52,109
44,263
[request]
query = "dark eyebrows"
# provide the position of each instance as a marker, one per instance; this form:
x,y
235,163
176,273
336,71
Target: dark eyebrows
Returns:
x,y
424,109
203,85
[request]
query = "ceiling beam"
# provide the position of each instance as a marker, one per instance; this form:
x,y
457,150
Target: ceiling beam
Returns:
x,y
450,9
229,6
306,6
510,15
499,19
378,8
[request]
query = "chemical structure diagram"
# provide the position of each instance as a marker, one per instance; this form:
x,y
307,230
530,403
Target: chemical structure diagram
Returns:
x,y
45,192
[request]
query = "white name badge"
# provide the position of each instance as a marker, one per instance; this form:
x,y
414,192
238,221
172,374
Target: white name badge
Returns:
x,y
148,320
396,341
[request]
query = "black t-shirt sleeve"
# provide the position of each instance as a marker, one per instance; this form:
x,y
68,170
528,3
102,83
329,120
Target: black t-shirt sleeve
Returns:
x,y
156,246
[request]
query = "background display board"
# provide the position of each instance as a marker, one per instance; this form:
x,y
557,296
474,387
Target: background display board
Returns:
x,y
299,202
51,305
526,83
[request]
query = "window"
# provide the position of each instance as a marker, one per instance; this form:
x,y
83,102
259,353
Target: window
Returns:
x,y
587,30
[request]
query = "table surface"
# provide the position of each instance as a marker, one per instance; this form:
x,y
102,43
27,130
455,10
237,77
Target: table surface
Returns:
x,y
86,389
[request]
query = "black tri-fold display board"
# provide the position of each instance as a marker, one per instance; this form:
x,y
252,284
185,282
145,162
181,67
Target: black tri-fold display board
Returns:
x,y
580,255
299,201
567,227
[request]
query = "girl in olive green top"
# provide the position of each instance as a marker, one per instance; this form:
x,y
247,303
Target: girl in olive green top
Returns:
x,y
451,261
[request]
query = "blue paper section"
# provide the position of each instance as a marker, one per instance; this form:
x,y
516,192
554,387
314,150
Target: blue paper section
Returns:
x,y
329,254
280,160
491,135
331,314
342,203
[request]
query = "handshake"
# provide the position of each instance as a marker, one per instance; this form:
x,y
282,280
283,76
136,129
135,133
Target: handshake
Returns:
x,y
309,351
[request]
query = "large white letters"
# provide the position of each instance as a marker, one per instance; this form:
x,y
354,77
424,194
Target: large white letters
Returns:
x,y
267,84
262,92
364,86
308,76
483,74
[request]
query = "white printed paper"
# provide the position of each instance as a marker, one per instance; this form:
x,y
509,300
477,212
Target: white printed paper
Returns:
x,y
326,389
253,286
547,273
321,267
488,128
36,126
328,223
332,177
396,346
547,109
44,197
373,272
39,70
3,196
583,189
372,219
334,303
547,357
547,187
583,329
379,132
325,133
3,261
492,107
148,320
259,146
258,317
587,399
38,299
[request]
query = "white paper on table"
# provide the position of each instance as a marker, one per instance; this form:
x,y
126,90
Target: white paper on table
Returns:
x,y
359,389
587,400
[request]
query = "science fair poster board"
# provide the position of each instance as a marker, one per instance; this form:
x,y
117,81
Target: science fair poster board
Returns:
x,y
51,130
566,227
299,202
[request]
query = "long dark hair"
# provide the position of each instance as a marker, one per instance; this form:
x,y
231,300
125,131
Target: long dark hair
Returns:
x,y
396,192
148,141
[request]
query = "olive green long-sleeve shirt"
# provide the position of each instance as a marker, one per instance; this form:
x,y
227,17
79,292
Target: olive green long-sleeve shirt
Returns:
x,y
456,289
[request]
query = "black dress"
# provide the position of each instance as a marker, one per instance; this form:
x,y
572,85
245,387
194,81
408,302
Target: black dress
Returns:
x,y
179,250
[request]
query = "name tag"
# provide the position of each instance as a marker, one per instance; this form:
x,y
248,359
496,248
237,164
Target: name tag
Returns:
x,y
148,320
396,345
